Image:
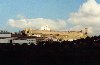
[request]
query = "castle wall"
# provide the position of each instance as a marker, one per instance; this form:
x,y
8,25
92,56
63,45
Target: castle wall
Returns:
x,y
64,35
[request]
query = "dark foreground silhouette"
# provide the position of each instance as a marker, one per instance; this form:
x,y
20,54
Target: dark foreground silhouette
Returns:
x,y
79,52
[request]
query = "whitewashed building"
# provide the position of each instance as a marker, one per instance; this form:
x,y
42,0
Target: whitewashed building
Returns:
x,y
4,41
5,36
37,35
21,41
70,39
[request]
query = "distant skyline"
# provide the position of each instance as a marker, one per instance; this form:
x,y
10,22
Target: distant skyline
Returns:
x,y
45,10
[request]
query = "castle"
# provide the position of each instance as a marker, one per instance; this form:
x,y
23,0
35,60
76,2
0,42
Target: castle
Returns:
x,y
47,33
29,35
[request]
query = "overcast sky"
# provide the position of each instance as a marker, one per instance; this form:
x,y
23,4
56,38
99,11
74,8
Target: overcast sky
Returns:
x,y
58,14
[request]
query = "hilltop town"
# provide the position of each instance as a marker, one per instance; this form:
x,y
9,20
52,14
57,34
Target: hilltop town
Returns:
x,y
29,35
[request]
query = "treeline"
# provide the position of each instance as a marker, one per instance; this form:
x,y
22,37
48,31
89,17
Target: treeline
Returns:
x,y
77,52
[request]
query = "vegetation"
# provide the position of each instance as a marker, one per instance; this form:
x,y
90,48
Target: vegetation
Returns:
x,y
78,52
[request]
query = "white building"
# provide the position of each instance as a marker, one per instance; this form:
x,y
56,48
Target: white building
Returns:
x,y
4,41
21,41
37,35
70,39
5,35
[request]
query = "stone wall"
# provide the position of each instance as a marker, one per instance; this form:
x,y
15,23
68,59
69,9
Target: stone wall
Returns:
x,y
64,35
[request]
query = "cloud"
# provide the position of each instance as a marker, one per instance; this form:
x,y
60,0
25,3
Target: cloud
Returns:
x,y
37,23
88,16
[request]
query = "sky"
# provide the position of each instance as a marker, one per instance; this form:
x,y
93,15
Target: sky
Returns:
x,y
57,14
